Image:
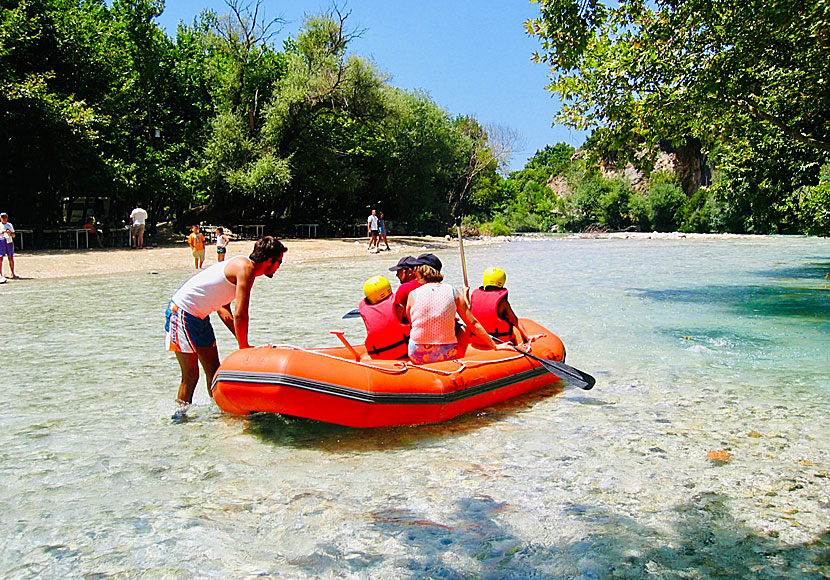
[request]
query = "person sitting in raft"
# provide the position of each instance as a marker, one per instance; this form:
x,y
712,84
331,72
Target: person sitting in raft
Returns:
x,y
405,271
490,306
431,308
386,337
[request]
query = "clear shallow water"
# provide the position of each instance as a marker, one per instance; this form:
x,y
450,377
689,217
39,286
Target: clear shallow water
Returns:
x,y
696,345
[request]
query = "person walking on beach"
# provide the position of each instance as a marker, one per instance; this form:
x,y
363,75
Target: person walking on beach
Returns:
x,y
138,219
196,241
7,244
222,242
382,232
372,226
188,331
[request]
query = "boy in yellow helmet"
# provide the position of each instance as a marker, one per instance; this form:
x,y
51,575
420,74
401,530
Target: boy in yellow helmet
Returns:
x,y
490,306
386,336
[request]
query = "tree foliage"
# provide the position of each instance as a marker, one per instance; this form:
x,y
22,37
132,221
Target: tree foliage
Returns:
x,y
644,72
220,122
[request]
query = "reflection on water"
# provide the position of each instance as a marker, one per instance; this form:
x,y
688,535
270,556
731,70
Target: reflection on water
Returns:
x,y
696,345
304,433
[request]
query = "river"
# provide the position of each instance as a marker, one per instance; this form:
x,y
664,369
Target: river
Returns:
x,y
702,452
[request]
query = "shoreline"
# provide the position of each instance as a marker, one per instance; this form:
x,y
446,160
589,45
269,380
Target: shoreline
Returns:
x,y
49,264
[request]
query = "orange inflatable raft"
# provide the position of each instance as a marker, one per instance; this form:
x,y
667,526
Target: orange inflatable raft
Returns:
x,y
331,385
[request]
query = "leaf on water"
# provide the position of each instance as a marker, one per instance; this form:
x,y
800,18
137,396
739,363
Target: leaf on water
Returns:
x,y
718,455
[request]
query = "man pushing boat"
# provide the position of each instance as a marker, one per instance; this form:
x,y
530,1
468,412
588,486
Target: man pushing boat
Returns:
x,y
188,331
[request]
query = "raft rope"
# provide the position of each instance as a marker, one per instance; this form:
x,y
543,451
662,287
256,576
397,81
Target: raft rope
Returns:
x,y
403,366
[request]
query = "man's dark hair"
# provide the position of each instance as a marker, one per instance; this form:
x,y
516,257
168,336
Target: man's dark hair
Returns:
x,y
267,248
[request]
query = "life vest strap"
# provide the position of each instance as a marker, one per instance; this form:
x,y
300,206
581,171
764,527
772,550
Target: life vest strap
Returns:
x,y
378,350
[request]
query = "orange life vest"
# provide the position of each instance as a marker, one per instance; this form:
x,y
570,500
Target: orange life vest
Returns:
x,y
484,304
386,337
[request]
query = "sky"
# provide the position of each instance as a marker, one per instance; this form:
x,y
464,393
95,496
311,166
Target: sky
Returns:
x,y
471,56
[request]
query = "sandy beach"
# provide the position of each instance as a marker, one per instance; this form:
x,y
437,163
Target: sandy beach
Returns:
x,y
43,264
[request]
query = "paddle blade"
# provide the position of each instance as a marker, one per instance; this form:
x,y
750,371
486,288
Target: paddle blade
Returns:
x,y
352,314
569,374
565,372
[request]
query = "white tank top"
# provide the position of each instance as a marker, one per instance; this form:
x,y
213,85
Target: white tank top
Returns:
x,y
207,291
433,314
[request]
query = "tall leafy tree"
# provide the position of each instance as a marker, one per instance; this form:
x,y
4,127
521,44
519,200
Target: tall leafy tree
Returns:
x,y
676,69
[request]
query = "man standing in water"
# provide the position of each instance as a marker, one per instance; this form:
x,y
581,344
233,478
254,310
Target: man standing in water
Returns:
x,y
188,331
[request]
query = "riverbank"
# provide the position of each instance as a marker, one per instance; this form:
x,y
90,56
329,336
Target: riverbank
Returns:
x,y
44,264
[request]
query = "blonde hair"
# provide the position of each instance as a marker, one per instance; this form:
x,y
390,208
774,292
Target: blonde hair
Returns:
x,y
429,274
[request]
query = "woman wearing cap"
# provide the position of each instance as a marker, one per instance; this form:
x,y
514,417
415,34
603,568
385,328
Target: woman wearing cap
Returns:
x,y
386,337
431,309
490,306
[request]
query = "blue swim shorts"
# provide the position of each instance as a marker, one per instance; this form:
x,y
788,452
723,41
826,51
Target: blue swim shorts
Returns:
x,y
6,248
183,332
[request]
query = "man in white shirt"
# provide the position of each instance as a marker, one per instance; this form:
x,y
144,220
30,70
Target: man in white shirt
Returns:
x,y
188,331
372,225
7,243
138,217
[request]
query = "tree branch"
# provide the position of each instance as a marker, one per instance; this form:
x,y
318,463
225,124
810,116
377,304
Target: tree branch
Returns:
x,y
753,109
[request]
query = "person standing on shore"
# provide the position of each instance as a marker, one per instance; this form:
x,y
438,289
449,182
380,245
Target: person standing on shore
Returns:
x,y
7,244
138,219
372,226
382,232
196,241
222,242
188,331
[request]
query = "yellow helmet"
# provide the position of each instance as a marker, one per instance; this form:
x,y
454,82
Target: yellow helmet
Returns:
x,y
376,289
494,277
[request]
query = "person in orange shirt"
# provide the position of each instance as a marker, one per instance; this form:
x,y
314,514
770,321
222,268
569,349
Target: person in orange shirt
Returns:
x,y
197,243
90,225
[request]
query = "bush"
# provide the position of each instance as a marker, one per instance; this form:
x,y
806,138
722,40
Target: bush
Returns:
x,y
693,215
640,211
614,205
665,202
518,220
494,228
814,205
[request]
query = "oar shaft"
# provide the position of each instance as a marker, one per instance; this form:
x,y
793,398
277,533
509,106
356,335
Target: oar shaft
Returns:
x,y
461,248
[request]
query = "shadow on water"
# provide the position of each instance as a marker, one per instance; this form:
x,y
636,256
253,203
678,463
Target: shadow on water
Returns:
x,y
297,432
771,301
815,271
472,543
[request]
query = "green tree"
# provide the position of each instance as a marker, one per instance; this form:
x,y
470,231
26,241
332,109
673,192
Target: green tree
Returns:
x,y
645,72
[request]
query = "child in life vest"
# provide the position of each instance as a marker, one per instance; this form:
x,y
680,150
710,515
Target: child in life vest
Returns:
x,y
386,337
490,306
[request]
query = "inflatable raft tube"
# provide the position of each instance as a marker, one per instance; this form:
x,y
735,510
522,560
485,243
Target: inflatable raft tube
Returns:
x,y
329,384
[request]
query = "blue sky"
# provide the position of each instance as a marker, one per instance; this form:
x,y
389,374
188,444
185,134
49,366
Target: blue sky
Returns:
x,y
472,57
